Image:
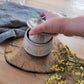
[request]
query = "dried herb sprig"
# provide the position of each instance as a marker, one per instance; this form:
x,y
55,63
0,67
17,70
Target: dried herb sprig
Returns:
x,y
67,63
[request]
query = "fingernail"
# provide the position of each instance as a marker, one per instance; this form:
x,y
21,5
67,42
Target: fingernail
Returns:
x,y
30,33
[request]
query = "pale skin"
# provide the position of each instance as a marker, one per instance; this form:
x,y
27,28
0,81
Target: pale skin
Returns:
x,y
62,25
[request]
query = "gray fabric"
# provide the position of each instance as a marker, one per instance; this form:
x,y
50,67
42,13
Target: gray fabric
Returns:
x,y
13,18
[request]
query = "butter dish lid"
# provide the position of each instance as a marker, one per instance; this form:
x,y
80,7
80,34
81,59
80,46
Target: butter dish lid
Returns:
x,y
34,22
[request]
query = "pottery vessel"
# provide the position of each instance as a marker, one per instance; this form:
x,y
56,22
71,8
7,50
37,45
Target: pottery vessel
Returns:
x,y
39,45
36,49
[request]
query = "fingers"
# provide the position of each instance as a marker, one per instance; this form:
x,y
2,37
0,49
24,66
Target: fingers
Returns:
x,y
48,14
43,13
52,24
38,29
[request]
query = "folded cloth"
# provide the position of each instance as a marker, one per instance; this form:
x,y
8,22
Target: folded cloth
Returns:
x,y
13,18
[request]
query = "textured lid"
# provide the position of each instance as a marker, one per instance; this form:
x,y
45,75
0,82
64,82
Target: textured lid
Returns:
x,y
34,22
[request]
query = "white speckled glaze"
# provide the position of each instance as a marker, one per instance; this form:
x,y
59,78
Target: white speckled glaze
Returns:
x,y
39,38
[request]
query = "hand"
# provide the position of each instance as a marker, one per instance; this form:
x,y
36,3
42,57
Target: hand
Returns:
x,y
57,24
52,24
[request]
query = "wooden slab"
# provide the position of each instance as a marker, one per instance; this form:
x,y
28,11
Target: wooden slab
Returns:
x,y
16,56
11,75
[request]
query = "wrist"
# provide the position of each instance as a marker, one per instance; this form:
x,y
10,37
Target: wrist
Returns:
x,y
65,25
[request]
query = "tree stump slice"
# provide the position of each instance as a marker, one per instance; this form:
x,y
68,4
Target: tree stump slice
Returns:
x,y
16,56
